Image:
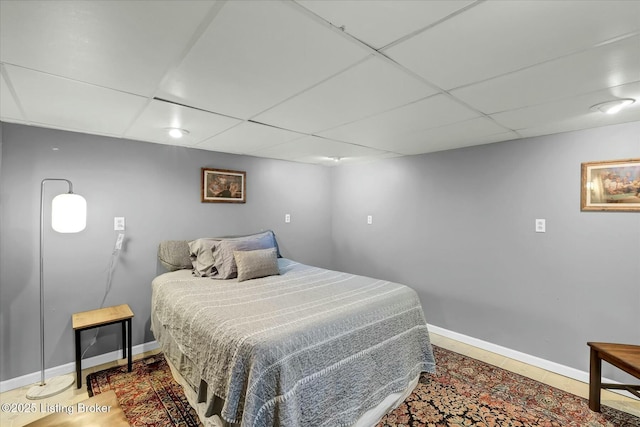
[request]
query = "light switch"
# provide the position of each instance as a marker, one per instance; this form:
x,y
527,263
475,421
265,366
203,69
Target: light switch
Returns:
x,y
118,223
541,226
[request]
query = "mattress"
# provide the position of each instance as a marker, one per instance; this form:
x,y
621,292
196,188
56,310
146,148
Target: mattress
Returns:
x,y
308,347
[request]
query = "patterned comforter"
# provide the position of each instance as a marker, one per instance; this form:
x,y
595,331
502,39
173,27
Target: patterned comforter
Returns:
x,y
310,347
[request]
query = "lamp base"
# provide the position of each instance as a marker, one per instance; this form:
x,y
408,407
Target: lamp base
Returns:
x,y
51,387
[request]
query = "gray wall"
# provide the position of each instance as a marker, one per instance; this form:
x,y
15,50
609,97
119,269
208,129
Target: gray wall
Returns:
x,y
458,226
157,189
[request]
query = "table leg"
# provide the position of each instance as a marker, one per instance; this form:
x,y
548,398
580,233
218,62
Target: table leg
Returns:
x,y
78,362
595,380
124,339
129,341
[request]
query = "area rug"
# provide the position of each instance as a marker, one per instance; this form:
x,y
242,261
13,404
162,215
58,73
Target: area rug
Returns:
x,y
463,392
468,392
148,395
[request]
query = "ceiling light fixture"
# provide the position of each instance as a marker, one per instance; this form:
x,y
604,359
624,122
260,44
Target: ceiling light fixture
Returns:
x,y
612,107
177,133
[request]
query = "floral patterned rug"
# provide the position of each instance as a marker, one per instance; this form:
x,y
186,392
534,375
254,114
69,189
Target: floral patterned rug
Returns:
x,y
468,392
463,392
148,395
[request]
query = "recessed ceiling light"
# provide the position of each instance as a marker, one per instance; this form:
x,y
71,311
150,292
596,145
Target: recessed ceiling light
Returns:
x,y
612,107
177,133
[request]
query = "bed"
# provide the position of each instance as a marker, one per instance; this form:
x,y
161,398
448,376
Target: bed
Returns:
x,y
296,345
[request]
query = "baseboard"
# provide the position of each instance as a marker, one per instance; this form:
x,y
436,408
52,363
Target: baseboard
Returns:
x,y
68,368
547,365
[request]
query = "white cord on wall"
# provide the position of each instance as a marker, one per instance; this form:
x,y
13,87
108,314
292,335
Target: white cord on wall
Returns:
x,y
111,266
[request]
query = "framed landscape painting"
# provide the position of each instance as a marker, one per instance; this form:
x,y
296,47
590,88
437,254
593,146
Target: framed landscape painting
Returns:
x,y
611,185
223,186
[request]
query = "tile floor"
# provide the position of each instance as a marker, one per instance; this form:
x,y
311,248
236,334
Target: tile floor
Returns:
x,y
73,395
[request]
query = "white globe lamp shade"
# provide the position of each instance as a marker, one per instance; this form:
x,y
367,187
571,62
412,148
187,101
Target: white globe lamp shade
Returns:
x,y
68,213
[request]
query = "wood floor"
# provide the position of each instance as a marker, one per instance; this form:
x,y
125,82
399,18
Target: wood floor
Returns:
x,y
72,395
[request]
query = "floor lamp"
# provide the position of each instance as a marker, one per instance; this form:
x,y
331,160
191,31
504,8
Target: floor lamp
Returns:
x,y
68,215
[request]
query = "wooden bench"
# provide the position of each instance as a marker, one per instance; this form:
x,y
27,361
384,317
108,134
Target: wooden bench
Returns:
x,y
622,356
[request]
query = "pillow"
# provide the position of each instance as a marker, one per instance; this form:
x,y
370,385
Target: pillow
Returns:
x,y
174,255
202,256
224,262
201,253
256,263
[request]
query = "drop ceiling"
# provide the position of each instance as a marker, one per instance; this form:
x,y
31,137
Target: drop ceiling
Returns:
x,y
309,81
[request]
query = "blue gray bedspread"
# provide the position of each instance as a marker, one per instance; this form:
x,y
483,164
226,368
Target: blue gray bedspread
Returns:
x,y
310,347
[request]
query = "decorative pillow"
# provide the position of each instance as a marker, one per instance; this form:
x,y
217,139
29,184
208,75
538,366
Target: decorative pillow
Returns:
x,y
256,263
223,260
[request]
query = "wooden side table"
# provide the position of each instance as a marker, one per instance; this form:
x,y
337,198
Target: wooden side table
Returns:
x,y
102,317
622,356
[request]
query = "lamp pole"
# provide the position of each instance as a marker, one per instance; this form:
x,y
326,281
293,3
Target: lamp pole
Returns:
x,y
58,384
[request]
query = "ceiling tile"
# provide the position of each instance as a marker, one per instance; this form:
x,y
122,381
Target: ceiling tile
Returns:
x,y
152,124
68,104
477,131
378,23
579,123
572,113
256,54
497,37
613,64
380,131
125,45
316,150
9,109
573,110
368,88
247,138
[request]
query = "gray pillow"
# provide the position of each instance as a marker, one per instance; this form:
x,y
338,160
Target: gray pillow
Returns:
x,y
201,253
256,263
223,260
174,255
202,256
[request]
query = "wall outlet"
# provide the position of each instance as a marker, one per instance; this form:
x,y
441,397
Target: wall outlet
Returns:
x,y
118,223
541,226
369,219
287,218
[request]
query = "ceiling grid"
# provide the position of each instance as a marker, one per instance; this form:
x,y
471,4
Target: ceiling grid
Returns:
x,y
313,80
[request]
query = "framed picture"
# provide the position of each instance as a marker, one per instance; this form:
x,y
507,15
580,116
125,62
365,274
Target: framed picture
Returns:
x,y
611,186
223,186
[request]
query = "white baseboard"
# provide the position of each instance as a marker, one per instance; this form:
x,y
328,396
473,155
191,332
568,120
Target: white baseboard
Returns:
x,y
68,368
547,365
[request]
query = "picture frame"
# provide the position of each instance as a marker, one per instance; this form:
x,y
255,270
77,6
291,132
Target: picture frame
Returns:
x,y
612,185
223,186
